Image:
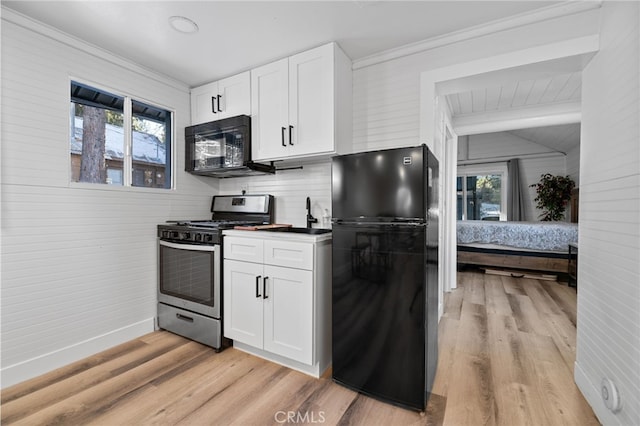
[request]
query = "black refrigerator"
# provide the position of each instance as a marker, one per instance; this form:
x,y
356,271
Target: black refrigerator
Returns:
x,y
385,274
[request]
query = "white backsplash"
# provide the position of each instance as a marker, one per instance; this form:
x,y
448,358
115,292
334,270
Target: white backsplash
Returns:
x,y
290,189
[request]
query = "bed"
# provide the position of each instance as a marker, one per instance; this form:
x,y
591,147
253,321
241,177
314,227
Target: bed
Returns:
x,y
538,246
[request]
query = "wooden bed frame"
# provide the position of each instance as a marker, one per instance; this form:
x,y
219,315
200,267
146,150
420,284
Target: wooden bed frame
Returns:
x,y
514,259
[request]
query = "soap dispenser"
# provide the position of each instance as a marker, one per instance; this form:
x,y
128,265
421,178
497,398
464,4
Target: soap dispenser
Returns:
x,y
326,219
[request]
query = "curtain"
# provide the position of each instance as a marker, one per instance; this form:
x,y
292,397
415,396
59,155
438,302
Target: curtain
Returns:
x,y
515,201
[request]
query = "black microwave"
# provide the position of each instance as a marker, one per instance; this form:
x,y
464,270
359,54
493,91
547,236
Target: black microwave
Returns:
x,y
222,148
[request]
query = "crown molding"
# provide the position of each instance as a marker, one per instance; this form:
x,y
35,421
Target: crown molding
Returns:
x,y
526,18
10,15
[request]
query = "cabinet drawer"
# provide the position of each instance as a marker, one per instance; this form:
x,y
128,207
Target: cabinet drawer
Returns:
x,y
186,323
289,254
247,249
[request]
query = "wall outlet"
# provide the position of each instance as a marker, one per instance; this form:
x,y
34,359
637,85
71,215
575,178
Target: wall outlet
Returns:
x,y
610,395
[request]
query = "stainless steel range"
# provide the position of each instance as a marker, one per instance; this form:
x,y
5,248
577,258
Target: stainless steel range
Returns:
x,y
190,261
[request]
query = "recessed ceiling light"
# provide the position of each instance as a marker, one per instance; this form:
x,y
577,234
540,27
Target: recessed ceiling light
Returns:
x,y
183,25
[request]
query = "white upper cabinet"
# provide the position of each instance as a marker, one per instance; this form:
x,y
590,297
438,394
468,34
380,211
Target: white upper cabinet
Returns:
x,y
270,110
301,105
221,99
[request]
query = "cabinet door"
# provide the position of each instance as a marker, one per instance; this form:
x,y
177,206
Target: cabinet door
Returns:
x,y
288,313
269,111
204,103
311,101
235,95
243,302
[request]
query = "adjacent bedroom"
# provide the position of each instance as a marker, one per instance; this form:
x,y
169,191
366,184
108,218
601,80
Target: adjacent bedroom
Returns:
x,y
517,189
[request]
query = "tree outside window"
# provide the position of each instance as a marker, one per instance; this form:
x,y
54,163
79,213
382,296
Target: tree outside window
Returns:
x,y
481,193
98,149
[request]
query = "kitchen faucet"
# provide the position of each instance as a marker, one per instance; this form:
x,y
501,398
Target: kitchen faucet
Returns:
x,y
310,218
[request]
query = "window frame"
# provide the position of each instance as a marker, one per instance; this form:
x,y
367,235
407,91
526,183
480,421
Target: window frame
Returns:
x,y
465,171
127,178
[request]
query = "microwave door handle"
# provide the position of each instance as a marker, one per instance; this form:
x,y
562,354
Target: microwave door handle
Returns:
x,y
213,104
219,97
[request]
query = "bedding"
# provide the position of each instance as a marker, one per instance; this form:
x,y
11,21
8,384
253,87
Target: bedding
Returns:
x,y
540,236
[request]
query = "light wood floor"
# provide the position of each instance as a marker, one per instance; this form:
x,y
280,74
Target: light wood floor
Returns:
x,y
507,348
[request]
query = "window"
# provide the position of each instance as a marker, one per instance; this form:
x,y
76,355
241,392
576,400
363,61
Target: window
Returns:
x,y
118,141
481,192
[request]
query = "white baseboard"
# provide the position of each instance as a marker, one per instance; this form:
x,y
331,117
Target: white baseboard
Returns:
x,y
315,370
16,373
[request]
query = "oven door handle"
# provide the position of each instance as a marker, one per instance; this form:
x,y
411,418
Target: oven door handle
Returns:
x,y
193,247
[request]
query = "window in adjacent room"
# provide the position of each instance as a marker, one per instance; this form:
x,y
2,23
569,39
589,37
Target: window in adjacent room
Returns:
x,y
481,192
118,141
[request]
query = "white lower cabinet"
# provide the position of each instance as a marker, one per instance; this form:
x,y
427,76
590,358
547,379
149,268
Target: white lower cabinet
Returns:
x,y
270,307
273,310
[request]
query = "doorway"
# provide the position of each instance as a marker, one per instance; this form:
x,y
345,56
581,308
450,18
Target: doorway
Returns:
x,y
436,84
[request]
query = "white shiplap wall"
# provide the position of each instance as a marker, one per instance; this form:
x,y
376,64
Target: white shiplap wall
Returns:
x,y
78,262
608,318
535,160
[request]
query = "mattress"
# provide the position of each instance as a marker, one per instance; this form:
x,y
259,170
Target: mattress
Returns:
x,y
539,236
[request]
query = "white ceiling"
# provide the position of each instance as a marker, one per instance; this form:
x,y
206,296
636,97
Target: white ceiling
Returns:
x,y
235,36
541,94
239,35
561,138
515,94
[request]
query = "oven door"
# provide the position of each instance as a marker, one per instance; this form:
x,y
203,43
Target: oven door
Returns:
x,y
190,277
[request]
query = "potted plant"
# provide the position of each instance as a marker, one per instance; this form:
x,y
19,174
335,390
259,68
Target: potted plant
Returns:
x,y
553,193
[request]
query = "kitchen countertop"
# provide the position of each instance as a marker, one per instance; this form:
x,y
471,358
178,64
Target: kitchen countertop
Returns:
x,y
283,236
